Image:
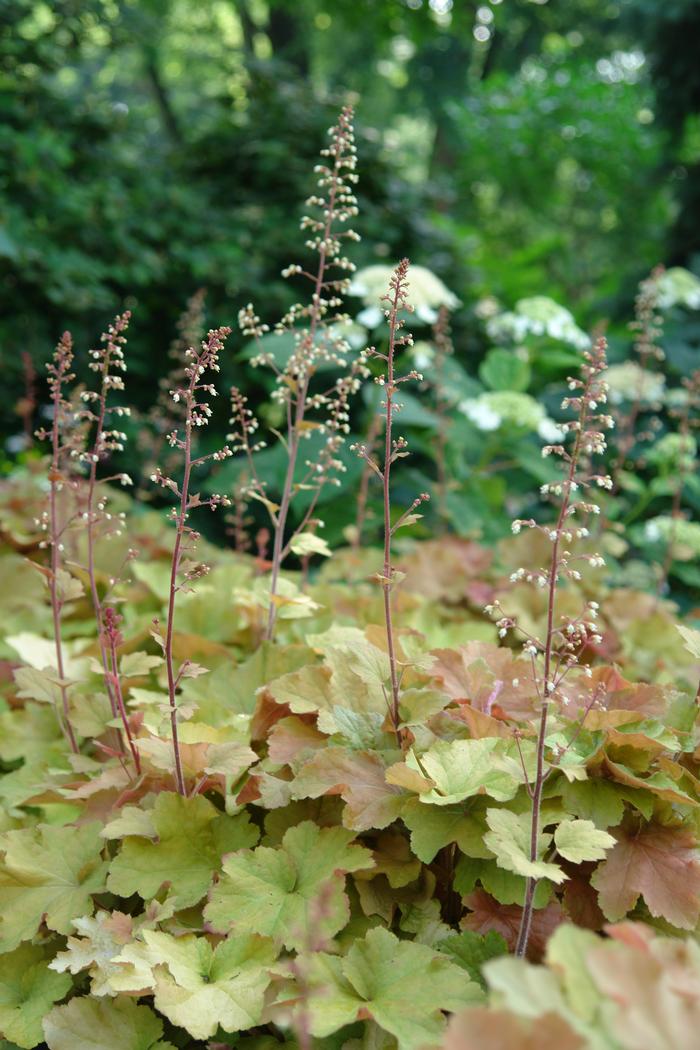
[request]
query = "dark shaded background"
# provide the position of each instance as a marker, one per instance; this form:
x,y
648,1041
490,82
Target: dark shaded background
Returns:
x,y
152,147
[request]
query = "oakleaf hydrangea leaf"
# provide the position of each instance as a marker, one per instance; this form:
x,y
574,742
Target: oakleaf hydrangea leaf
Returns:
x,y
509,839
199,987
579,840
48,873
192,838
104,1024
401,985
28,990
286,892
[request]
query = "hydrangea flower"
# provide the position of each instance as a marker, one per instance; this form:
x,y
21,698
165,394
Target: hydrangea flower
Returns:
x,y
491,410
674,450
423,355
629,382
428,293
685,535
678,287
538,315
350,331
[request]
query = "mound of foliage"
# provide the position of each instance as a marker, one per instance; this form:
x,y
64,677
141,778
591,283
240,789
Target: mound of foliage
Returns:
x,y
437,794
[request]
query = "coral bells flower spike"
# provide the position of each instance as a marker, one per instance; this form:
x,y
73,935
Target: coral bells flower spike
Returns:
x,y
109,364
65,441
556,654
395,302
317,329
194,395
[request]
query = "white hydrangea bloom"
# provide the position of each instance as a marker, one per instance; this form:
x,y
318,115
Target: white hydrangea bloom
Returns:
x,y
674,450
684,534
480,414
423,355
426,292
629,382
550,432
538,315
678,287
492,409
351,331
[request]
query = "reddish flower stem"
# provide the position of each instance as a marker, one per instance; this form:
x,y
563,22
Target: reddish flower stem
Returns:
x,y
91,520
390,388
64,356
174,569
113,639
548,693
295,420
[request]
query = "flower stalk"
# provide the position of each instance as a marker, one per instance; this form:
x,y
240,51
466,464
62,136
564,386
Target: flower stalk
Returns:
x,y
194,397
318,341
113,639
555,655
108,362
396,302
60,374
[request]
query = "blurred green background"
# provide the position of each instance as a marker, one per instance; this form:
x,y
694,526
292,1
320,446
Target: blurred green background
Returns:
x,y
149,148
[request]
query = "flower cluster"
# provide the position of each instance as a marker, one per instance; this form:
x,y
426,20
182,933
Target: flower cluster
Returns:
x,y
194,396
166,412
108,362
66,438
536,316
648,327
318,331
396,303
558,651
311,323
576,505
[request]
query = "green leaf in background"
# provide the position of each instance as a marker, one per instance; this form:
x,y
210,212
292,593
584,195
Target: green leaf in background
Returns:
x,y
403,986
192,838
290,892
48,874
504,370
104,1024
471,950
28,990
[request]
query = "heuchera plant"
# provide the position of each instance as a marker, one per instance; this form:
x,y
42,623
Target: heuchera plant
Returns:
x,y
401,822
316,331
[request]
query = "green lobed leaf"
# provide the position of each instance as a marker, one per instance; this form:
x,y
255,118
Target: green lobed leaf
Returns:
x,y
48,874
104,1024
509,840
471,950
403,986
28,990
290,892
200,988
192,837
460,769
580,840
